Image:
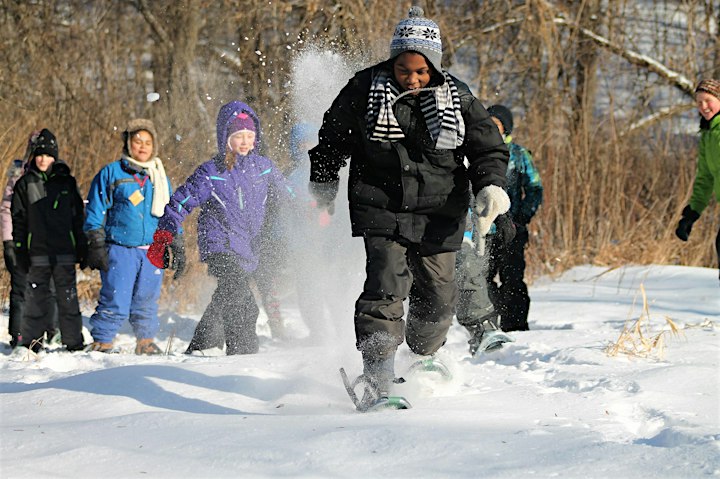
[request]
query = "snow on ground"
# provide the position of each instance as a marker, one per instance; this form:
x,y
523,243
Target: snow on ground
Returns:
x,y
552,404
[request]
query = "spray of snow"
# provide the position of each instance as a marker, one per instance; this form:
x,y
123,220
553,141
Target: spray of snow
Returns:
x,y
325,264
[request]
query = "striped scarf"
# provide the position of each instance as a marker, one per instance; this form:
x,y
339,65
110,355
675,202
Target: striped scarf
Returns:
x,y
441,108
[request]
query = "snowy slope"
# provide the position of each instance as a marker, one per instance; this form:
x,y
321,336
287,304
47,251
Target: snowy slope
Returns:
x,y
552,404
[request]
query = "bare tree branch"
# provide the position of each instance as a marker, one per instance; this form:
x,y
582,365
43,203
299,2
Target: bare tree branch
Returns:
x,y
676,79
658,116
144,9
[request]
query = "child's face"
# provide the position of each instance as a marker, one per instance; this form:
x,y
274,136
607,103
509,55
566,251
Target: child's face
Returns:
x,y
43,162
708,105
141,146
241,142
412,71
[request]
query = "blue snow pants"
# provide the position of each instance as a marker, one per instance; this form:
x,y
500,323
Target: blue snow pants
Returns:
x,y
130,290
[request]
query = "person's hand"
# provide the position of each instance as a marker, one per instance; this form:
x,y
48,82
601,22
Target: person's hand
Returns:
x,y
9,256
490,202
324,194
177,248
689,216
97,257
158,253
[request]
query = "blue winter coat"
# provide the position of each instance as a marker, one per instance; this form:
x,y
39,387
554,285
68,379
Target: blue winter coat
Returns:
x,y
110,205
232,203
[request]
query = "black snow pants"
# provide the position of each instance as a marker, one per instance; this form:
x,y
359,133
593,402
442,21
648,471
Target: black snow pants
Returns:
x,y
510,297
39,308
395,271
231,317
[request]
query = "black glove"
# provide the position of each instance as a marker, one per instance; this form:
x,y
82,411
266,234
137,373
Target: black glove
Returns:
x,y
9,256
689,216
505,229
324,194
177,248
97,257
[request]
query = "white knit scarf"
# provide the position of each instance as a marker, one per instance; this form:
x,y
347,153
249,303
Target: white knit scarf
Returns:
x,y
441,108
158,178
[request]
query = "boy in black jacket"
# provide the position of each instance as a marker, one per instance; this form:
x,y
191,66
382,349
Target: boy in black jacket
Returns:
x,y
406,126
47,217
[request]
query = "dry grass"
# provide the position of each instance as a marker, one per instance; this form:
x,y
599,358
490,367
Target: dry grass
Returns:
x,y
638,340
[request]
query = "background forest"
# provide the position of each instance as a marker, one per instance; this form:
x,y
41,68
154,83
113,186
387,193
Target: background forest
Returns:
x,y
602,91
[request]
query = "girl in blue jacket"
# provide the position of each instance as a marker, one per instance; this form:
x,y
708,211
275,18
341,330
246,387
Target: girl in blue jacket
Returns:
x,y
125,202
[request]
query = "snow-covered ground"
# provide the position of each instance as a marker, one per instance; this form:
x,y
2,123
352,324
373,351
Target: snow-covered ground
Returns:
x,y
552,404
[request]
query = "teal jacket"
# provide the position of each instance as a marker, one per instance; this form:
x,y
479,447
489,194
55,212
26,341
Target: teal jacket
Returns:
x,y
707,178
524,186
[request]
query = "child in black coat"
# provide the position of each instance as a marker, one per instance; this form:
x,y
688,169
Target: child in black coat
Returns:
x,y
47,218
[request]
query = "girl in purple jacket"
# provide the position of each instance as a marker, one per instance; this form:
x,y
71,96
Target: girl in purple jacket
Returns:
x,y
234,191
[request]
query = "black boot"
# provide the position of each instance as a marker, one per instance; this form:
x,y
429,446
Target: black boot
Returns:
x,y
478,330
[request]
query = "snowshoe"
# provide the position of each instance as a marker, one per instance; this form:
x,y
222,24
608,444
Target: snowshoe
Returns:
x,y
430,364
373,399
489,341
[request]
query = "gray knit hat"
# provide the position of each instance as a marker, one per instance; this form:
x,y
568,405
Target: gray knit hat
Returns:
x,y
418,34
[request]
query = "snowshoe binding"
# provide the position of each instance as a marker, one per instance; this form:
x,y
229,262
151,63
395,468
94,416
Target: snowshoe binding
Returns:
x,y
373,399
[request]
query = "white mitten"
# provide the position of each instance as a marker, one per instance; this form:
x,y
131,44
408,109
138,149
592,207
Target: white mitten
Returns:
x,y
490,202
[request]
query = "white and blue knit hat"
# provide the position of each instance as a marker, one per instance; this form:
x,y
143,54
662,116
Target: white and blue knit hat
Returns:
x,y
418,34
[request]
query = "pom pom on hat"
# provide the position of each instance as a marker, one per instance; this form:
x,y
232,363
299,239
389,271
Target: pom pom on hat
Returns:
x,y
710,86
418,34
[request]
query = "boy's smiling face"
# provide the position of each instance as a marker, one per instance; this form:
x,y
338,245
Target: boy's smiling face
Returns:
x,y
708,105
412,71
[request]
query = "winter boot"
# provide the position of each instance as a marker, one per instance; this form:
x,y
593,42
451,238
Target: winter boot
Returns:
x,y
378,376
147,347
100,347
486,336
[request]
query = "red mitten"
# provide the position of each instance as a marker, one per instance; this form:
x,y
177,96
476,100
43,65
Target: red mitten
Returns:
x,y
158,252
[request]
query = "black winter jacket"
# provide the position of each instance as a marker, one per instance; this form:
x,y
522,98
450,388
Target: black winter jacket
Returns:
x,y
408,189
48,214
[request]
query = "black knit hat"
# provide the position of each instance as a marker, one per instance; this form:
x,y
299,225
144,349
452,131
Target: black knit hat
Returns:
x,y
503,114
45,144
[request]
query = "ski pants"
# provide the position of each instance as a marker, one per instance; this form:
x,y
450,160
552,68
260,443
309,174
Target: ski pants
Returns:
x,y
474,305
231,316
18,278
510,298
130,291
38,309
395,271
